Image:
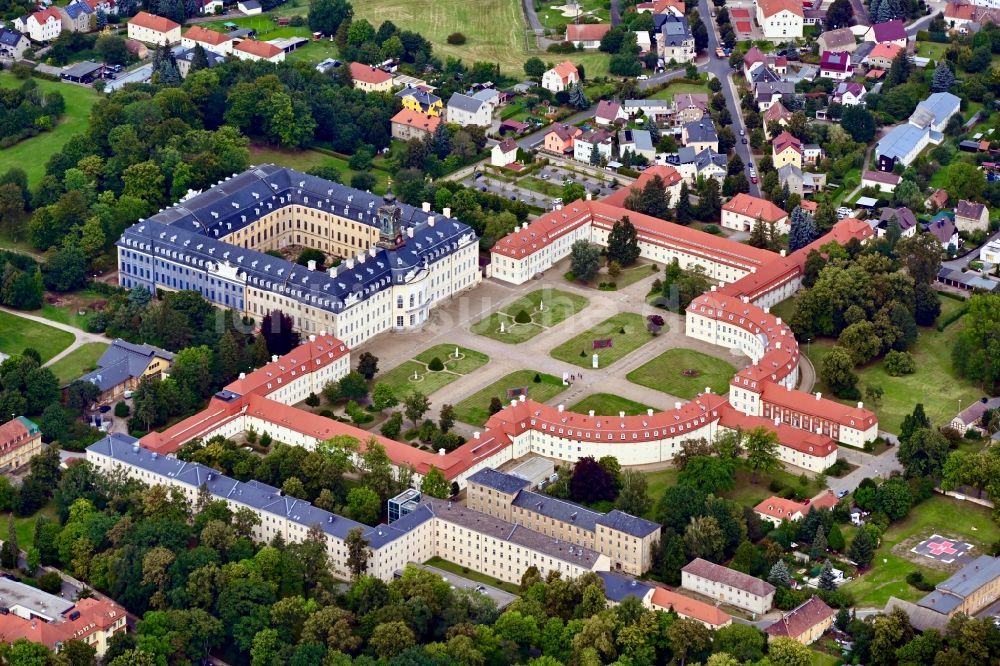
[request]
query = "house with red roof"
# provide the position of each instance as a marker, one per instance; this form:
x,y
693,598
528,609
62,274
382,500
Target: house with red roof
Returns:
x,y
560,77
559,138
251,49
20,441
742,212
835,65
889,32
608,113
586,35
152,29
805,623
776,509
711,616
409,124
780,20
41,26
370,78
675,7
776,113
882,55
210,40
786,149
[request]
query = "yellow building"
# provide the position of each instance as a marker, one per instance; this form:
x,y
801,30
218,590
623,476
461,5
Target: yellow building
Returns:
x,y
805,623
20,440
123,365
421,101
786,149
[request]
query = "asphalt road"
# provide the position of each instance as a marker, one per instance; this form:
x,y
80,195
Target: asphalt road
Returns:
x,y
555,175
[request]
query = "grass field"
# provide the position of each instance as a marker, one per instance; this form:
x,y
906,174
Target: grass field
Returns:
x,y
67,310
681,88
579,350
464,572
17,334
664,373
607,404
25,527
77,362
401,377
474,410
931,50
32,154
303,160
940,515
934,383
556,306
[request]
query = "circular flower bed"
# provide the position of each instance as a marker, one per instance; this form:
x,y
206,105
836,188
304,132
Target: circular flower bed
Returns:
x,y
690,372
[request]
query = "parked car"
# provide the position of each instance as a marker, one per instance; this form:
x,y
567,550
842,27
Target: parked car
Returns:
x,y
745,140
641,77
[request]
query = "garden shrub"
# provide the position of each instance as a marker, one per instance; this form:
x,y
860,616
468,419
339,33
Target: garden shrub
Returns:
x,y
522,317
435,365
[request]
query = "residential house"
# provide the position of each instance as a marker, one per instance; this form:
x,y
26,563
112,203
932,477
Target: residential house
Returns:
x,y
700,136
653,110
13,44
971,216
643,41
890,32
123,365
836,65
752,59
153,29
811,153
969,590
674,40
903,216
849,93
465,111
841,39
943,228
675,7
186,57
409,124
958,16
937,200
637,142
251,49
20,440
882,55
690,108
691,609
249,7
76,16
608,113
883,181
586,35
41,26
618,588
801,182
776,509
559,139
109,7
971,417
50,620
598,140
560,77
504,153
925,126
369,78
490,96
767,94
805,623
210,40
705,164
728,586
763,74
742,212
776,113
209,7
780,20
786,149
421,101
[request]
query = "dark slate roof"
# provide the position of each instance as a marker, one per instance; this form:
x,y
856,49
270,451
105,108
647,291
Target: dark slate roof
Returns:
x,y
82,69
380,535
709,156
627,523
973,576
422,96
701,132
904,216
558,509
465,103
617,587
257,495
941,602
250,4
10,37
191,234
212,57
121,361
505,483
675,30
763,75
75,9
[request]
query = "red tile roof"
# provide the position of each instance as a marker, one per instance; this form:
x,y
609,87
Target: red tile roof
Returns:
x,y
565,69
368,74
726,576
259,49
418,120
772,7
44,15
781,508
206,36
668,174
94,614
153,22
886,50
668,600
961,12
820,407
786,140
12,432
799,620
586,32
751,206
776,112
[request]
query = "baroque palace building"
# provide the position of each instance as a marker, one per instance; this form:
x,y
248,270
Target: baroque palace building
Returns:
x,y
397,261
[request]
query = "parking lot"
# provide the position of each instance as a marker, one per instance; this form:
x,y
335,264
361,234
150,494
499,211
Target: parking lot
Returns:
x,y
551,177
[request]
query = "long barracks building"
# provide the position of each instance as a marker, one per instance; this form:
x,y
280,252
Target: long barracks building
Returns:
x,y
398,261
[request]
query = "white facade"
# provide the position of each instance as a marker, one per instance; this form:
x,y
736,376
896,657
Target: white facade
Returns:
x,y
555,81
780,26
582,150
501,158
42,26
479,115
728,594
148,35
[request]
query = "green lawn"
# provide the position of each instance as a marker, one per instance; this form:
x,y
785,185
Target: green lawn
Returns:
x,y
474,410
81,360
401,378
67,311
934,383
579,350
681,88
665,373
17,334
303,160
608,404
32,154
937,515
464,572
24,527
931,50
546,307
823,659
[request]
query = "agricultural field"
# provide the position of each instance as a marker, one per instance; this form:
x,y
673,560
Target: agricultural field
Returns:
x,y
32,154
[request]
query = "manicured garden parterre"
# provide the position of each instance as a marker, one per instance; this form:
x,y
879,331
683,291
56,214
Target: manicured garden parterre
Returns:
x,y
401,378
579,350
474,410
546,307
684,373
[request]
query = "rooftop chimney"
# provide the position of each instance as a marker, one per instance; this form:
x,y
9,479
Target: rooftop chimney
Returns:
x,y
783,253
274,358
818,395
446,212
522,397
621,415
312,338
426,206
475,435
708,389
591,412
409,232
430,220
861,405
677,405
649,412
562,408
441,452
311,264
779,321
332,271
